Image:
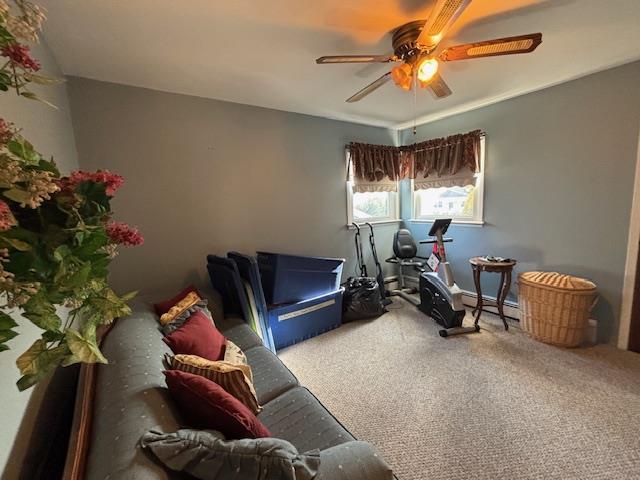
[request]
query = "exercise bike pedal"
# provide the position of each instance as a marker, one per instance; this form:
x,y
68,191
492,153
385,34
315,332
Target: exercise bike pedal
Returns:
x,y
448,332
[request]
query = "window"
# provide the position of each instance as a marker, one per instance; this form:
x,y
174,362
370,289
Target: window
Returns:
x,y
372,206
461,201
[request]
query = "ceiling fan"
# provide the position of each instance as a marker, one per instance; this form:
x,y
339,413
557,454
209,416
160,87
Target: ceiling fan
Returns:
x,y
414,44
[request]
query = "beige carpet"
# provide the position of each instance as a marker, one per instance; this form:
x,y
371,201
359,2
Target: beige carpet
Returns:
x,y
489,405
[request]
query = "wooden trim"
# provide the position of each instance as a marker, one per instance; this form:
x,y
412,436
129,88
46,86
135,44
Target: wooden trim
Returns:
x,y
80,436
81,426
631,266
634,327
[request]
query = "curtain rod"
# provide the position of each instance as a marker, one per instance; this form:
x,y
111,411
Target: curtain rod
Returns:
x,y
482,134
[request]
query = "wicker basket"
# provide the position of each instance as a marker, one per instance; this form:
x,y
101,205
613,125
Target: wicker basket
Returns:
x,y
554,308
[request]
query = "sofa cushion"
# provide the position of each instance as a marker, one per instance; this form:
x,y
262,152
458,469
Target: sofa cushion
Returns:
x,y
353,461
198,336
130,398
239,332
298,417
270,376
206,455
207,405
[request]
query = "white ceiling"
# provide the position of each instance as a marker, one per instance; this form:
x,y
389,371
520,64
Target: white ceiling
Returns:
x,y
262,52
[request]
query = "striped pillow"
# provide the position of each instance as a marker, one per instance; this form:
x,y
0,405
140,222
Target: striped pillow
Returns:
x,y
234,378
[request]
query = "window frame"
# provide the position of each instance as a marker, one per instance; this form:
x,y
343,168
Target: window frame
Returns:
x,y
478,206
394,203
394,207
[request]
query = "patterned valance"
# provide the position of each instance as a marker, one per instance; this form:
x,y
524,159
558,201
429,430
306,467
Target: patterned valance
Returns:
x,y
448,161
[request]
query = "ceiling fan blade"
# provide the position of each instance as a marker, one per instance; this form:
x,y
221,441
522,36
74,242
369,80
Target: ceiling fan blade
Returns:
x,y
444,13
369,88
439,87
489,48
355,59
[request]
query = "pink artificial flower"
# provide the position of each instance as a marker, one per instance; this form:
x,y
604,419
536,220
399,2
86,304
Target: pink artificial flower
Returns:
x,y
112,181
123,234
20,55
7,131
7,220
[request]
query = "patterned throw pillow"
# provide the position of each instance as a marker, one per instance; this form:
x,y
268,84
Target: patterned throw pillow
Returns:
x,y
233,354
234,378
164,306
180,320
188,301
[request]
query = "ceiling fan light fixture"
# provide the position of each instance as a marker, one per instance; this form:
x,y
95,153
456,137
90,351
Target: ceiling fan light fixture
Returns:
x,y
402,76
427,68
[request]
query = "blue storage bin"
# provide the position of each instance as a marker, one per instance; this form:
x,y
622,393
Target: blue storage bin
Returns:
x,y
291,278
298,321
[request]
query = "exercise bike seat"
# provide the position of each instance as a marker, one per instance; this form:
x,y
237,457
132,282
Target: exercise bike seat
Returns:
x,y
405,249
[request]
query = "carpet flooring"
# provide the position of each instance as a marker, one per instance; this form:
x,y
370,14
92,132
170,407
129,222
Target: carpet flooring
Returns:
x,y
489,405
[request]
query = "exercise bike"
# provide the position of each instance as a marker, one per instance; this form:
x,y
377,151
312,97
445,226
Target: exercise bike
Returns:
x,y
440,297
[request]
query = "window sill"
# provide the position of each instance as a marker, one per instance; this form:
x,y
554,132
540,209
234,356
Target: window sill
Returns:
x,y
375,223
470,223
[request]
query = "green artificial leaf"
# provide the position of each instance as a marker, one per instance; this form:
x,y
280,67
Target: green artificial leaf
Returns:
x,y
22,149
42,312
6,335
90,242
17,195
28,362
7,322
39,359
85,348
78,278
49,166
42,79
15,243
107,305
52,336
33,96
61,253
129,296
3,347
70,360
6,36
28,381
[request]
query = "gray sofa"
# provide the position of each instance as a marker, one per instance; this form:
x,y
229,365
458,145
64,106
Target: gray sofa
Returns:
x,y
131,397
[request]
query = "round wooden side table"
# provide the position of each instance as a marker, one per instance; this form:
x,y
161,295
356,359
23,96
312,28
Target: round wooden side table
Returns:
x,y
479,265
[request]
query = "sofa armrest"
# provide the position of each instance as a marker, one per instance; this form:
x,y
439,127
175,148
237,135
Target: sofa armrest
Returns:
x,y
353,461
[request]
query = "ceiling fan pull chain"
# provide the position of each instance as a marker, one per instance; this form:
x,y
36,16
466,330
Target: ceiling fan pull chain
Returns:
x,y
415,102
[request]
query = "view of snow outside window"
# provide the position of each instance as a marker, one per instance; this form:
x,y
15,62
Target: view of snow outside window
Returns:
x,y
446,201
371,205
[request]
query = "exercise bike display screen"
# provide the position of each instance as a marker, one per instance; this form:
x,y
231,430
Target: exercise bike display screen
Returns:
x,y
441,224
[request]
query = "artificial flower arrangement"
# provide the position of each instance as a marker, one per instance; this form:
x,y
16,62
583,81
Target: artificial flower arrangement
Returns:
x,y
57,234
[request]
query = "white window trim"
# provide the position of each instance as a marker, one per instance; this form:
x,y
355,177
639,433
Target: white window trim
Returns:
x,y
478,217
394,203
394,207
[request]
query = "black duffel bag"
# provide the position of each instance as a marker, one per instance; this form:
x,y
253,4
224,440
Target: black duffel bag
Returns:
x,y
361,299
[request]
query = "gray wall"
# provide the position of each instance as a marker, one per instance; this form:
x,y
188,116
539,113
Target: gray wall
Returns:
x,y
205,176
51,132
559,181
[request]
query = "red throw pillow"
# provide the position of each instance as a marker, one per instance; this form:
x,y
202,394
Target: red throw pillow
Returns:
x,y
209,406
198,336
163,307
